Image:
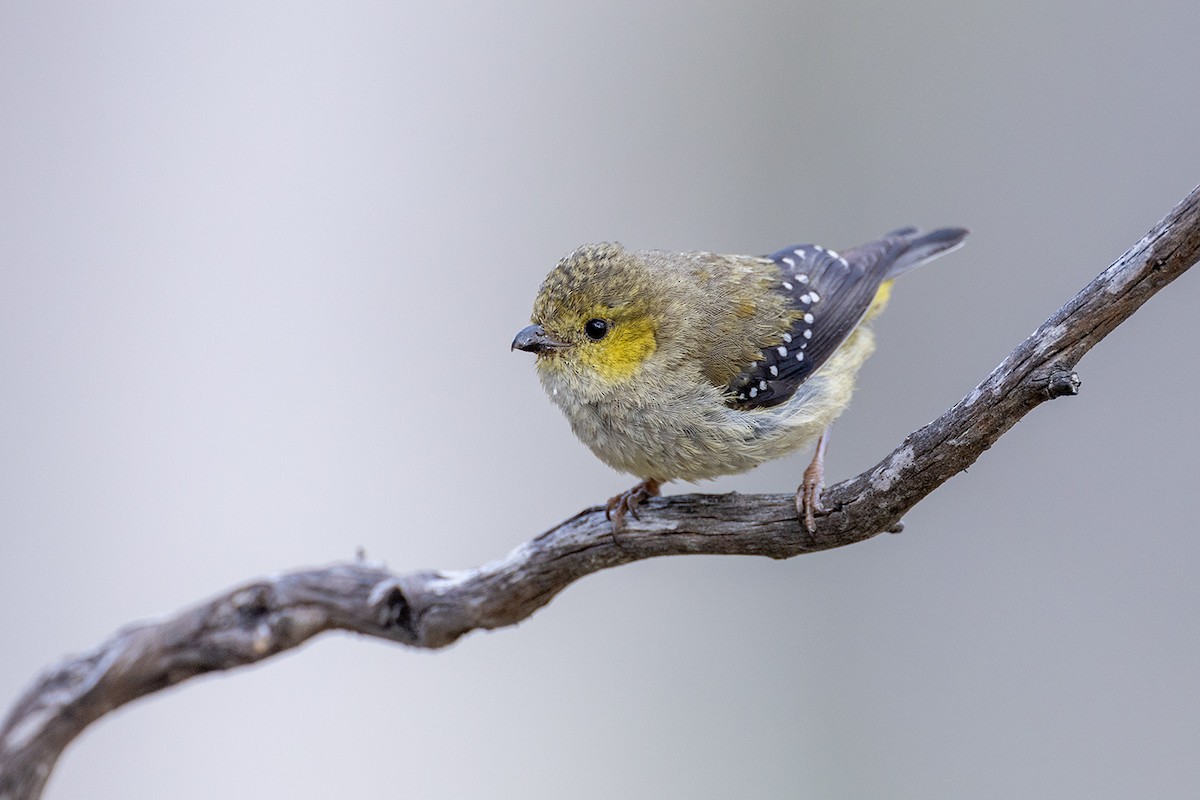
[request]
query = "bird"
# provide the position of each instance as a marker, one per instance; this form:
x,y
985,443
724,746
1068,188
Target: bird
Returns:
x,y
692,365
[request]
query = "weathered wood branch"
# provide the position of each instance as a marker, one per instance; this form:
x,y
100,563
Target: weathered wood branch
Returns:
x,y
432,609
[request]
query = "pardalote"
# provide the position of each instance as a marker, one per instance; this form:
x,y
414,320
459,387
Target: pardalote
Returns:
x,y
683,366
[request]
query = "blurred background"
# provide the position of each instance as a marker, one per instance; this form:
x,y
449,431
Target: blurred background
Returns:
x,y
246,247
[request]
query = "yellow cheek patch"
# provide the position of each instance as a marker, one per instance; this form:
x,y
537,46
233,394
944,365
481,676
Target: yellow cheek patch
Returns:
x,y
619,354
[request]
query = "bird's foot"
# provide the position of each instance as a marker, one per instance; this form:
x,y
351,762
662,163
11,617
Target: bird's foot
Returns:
x,y
627,502
808,496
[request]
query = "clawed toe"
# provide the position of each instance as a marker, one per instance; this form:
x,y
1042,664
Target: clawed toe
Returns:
x,y
808,503
808,496
627,502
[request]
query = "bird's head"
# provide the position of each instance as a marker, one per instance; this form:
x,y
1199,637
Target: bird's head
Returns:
x,y
596,321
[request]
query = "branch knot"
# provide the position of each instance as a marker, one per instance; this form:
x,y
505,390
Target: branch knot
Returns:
x,y
392,609
1061,383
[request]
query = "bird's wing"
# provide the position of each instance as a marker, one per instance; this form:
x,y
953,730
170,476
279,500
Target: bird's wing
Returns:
x,y
829,294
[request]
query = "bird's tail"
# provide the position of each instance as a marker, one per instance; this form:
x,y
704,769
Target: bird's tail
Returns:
x,y
924,247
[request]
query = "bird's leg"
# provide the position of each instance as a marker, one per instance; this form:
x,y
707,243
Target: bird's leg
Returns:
x,y
808,496
628,501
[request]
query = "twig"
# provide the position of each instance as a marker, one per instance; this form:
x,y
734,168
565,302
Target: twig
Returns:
x,y
433,609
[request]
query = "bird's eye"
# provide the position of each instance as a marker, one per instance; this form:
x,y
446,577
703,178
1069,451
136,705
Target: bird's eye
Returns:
x,y
595,329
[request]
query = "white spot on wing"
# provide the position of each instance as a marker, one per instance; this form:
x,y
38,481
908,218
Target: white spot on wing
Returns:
x,y
791,262
788,286
808,318
782,351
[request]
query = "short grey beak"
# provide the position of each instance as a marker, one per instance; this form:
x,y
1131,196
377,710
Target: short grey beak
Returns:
x,y
534,339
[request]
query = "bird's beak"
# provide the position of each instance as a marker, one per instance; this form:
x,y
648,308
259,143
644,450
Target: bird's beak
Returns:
x,y
534,339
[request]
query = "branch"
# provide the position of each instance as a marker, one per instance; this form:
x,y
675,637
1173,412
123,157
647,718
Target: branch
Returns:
x,y
432,609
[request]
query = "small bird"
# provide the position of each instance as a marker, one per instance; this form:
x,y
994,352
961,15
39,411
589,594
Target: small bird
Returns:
x,y
686,366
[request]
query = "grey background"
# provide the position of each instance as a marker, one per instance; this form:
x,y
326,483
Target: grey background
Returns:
x,y
260,265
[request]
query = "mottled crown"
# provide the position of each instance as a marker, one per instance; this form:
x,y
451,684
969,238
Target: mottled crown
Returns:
x,y
604,274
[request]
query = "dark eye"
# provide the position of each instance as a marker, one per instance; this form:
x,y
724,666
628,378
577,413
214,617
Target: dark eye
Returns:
x,y
595,329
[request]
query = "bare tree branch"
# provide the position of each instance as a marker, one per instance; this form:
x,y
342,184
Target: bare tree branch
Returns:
x,y
433,609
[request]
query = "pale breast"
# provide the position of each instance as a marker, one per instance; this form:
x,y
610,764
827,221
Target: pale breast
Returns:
x,y
690,432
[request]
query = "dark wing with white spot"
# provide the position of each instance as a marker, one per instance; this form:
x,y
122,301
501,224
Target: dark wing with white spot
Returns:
x,y
830,294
